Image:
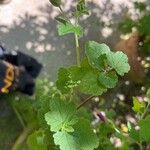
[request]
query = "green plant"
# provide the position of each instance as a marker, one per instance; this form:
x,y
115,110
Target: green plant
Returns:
x,y
55,119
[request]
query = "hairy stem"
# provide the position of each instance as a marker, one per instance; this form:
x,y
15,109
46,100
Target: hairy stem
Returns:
x,y
77,50
85,101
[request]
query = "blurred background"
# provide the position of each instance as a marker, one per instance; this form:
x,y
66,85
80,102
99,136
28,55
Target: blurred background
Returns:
x,y
29,26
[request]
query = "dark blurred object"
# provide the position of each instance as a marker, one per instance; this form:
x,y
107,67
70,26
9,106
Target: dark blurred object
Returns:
x,y
5,1
17,72
130,48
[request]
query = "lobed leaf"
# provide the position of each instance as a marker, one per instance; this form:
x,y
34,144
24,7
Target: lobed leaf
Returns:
x,y
62,115
90,85
67,28
93,51
119,62
82,138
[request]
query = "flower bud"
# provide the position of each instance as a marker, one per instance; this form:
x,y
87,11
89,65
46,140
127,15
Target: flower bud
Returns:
x,y
55,3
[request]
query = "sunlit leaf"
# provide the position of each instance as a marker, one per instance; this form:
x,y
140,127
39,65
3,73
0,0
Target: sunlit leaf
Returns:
x,y
119,62
82,138
138,106
93,51
67,28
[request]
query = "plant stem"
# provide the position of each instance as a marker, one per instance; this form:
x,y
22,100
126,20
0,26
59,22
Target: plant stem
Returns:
x,y
17,114
145,111
61,10
77,50
85,101
63,13
140,145
20,140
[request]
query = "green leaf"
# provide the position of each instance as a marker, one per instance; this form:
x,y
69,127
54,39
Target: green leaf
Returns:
x,y
77,73
82,138
105,132
127,25
119,62
144,129
109,80
62,115
93,51
145,47
141,6
66,141
63,80
144,24
148,93
129,125
61,20
90,84
134,134
55,3
36,141
102,61
111,114
85,136
81,9
67,28
138,106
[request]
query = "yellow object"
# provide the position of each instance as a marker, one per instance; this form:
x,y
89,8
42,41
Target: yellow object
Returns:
x,y
124,128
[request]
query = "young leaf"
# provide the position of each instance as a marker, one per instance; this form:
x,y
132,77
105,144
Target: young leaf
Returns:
x,y
93,51
62,115
61,20
55,3
67,28
90,84
144,129
119,62
36,141
109,80
138,106
81,9
82,138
